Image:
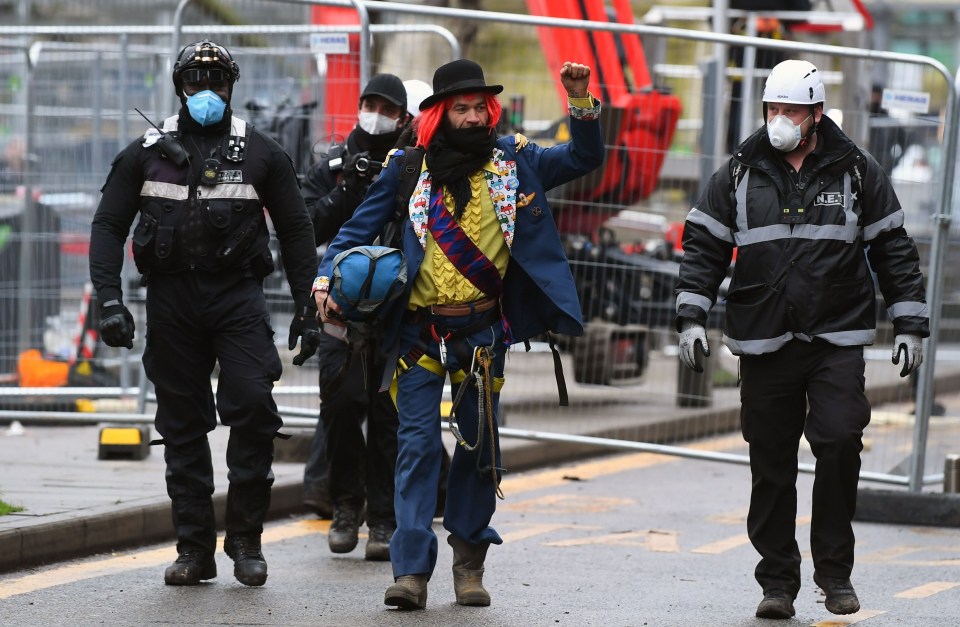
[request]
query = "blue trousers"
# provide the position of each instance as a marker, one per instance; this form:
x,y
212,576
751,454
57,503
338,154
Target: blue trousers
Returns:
x,y
471,489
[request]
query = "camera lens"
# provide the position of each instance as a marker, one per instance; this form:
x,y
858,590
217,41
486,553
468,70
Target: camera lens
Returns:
x,y
362,164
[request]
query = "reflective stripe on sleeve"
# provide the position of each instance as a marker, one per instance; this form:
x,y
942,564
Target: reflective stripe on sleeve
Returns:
x,y
689,298
911,308
714,226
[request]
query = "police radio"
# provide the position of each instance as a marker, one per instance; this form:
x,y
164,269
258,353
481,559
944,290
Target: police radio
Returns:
x,y
169,146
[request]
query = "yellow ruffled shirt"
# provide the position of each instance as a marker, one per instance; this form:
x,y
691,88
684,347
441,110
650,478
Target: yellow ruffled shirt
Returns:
x,y
438,282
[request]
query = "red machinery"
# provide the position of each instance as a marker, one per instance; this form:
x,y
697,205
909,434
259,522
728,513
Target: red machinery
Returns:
x,y
640,119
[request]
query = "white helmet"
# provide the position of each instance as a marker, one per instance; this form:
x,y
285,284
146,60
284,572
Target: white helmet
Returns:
x,y
417,91
795,82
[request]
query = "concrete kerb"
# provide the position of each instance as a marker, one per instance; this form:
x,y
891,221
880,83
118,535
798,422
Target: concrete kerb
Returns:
x,y
115,528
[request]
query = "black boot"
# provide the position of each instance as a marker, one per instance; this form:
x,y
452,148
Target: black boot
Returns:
x,y
249,457
249,567
379,535
344,529
191,568
189,479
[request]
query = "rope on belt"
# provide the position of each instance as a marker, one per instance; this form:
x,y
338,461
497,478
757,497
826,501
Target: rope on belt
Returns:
x,y
482,377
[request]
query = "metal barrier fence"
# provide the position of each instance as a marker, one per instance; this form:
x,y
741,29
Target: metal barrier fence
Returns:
x,y
81,84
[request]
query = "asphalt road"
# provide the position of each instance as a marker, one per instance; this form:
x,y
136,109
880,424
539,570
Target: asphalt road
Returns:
x,y
636,539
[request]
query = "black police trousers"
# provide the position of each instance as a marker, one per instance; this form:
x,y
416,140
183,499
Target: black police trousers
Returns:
x,y
361,468
813,389
196,320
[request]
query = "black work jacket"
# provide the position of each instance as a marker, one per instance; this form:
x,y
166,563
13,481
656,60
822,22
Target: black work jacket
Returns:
x,y
188,223
809,278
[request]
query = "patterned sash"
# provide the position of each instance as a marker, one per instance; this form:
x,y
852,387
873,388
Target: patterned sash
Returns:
x,y
460,249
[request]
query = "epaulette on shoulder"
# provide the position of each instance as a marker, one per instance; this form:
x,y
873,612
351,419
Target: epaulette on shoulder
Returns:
x,y
393,151
520,140
150,137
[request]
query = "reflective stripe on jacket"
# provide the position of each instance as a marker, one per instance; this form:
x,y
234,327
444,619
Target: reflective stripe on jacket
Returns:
x,y
809,279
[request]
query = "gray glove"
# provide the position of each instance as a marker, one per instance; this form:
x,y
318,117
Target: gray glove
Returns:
x,y
691,334
912,348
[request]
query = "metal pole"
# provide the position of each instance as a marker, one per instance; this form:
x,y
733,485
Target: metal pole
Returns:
x,y
175,45
935,283
746,83
28,222
664,449
124,78
721,26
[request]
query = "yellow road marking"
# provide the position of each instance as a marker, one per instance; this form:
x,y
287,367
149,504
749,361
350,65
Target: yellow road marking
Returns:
x,y
926,590
567,503
653,540
888,554
736,517
722,546
850,619
121,562
534,529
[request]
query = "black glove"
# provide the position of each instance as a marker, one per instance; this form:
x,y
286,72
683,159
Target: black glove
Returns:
x,y
304,326
116,324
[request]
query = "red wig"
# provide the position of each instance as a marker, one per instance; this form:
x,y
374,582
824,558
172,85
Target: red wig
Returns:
x,y
427,123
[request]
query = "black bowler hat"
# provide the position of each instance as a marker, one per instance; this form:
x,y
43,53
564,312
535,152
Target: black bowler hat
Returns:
x,y
458,77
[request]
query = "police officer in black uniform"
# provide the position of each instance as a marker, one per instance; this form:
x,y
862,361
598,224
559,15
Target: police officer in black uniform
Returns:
x,y
200,185
359,469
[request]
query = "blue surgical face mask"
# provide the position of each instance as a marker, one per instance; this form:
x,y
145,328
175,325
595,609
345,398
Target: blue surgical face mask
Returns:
x,y
206,107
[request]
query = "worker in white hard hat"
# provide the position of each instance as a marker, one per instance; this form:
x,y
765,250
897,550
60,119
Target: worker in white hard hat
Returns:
x,y
811,216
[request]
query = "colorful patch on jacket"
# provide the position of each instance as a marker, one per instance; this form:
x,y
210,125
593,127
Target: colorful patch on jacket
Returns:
x,y
501,185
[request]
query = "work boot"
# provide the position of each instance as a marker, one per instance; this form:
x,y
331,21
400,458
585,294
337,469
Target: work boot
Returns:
x,y
841,598
378,542
249,567
344,528
408,593
468,571
776,604
191,568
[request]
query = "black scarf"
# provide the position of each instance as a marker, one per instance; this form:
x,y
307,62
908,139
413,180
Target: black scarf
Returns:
x,y
377,145
456,153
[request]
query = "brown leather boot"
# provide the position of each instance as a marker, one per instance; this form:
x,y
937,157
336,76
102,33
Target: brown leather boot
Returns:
x,y
408,593
468,572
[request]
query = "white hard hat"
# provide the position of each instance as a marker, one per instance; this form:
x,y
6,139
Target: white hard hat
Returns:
x,y
795,82
417,91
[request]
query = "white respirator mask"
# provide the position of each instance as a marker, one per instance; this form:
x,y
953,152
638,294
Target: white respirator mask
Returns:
x,y
376,124
784,134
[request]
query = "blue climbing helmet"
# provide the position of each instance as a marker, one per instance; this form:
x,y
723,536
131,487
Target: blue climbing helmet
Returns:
x,y
365,280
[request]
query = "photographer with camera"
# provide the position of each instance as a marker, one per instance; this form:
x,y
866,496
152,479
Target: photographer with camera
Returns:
x,y
344,470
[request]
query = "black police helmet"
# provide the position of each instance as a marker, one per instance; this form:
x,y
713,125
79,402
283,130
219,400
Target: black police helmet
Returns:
x,y
205,55
386,86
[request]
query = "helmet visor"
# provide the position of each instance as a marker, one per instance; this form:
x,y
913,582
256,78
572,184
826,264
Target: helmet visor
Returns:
x,y
213,77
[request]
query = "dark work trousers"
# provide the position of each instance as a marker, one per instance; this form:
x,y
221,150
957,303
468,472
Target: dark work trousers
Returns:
x,y
195,320
817,390
360,468
471,487
316,472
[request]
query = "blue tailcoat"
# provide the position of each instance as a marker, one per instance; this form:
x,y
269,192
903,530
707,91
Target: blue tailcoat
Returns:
x,y
539,291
